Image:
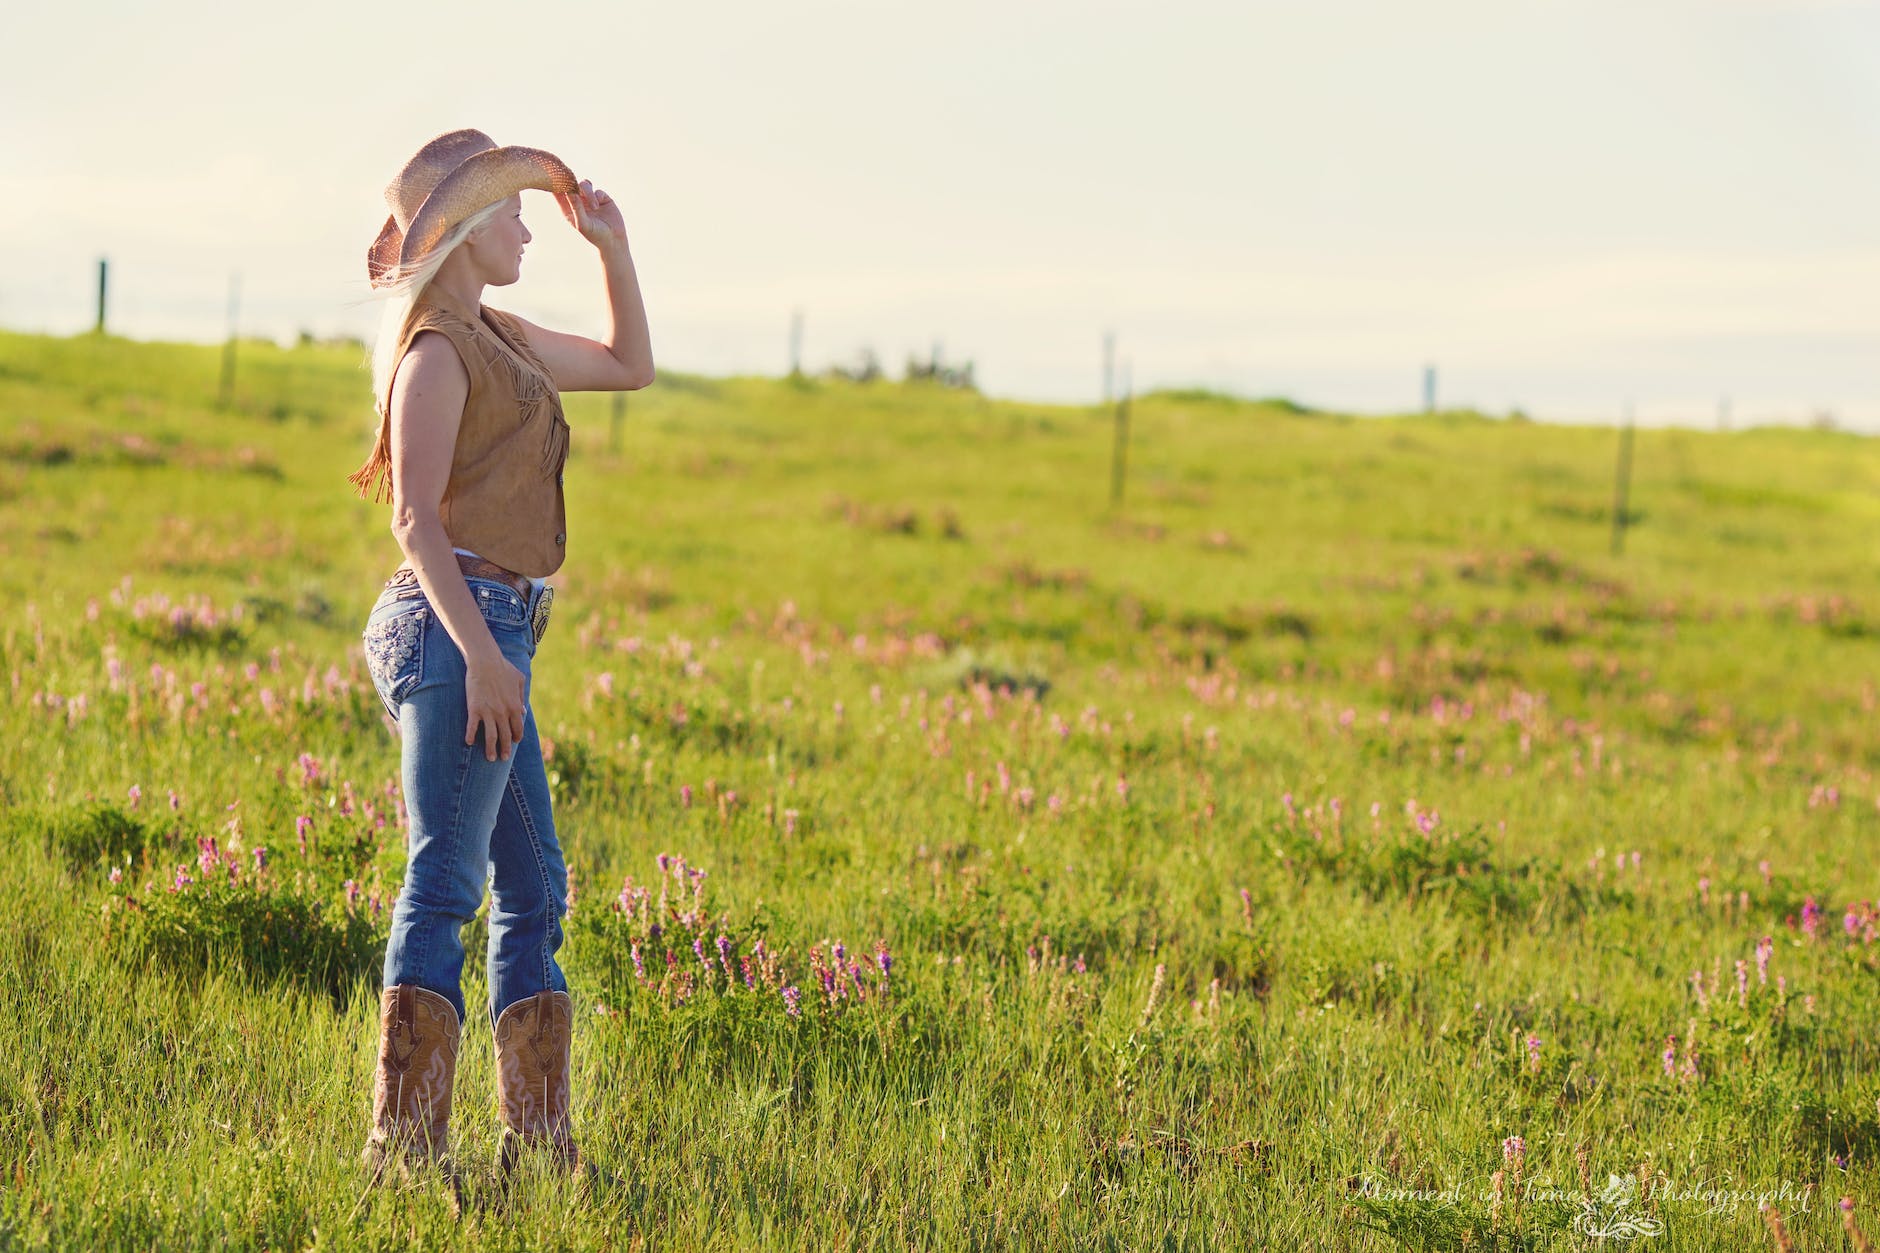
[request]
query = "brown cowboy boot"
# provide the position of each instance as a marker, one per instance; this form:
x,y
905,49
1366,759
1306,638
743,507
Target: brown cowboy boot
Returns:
x,y
411,1092
532,1044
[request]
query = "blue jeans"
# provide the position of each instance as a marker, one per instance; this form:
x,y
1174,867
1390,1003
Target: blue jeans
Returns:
x,y
470,819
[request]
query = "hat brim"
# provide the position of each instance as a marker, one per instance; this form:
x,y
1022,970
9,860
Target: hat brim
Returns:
x,y
480,181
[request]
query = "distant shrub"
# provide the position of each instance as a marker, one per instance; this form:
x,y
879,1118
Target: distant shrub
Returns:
x,y
867,368
576,770
1198,396
886,519
194,623
248,922
1459,867
934,370
996,674
86,835
1024,573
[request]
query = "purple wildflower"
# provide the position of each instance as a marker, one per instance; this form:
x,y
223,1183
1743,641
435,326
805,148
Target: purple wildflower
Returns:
x,y
1534,1053
1764,948
137,796
791,999
1671,1056
639,967
261,859
1811,918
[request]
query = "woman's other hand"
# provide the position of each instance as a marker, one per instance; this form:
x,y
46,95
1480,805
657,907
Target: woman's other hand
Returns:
x,y
496,693
595,215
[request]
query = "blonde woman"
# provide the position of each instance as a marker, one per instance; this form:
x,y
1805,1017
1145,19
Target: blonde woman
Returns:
x,y
470,449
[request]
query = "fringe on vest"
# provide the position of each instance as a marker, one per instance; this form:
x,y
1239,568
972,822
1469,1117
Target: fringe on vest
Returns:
x,y
378,466
535,396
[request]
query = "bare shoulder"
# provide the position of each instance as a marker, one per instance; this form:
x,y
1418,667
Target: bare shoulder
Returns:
x,y
431,376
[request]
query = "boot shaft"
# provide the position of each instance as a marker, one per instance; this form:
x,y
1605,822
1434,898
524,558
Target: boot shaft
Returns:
x,y
533,1041
417,1066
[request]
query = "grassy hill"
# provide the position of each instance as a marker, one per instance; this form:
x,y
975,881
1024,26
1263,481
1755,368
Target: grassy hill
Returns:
x,y
1254,860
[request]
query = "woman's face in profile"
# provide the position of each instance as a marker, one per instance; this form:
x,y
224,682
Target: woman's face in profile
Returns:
x,y
497,245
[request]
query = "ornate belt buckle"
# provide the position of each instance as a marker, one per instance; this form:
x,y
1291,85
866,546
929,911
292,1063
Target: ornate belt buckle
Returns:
x,y
539,624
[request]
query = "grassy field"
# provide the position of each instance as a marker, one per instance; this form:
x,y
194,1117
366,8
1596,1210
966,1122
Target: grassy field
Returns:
x,y
1333,848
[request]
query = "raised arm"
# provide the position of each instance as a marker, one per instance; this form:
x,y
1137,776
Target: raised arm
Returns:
x,y
623,362
428,395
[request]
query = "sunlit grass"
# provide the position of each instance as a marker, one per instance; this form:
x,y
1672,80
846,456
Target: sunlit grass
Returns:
x,y
1249,865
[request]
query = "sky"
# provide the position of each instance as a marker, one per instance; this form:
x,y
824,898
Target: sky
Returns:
x,y
1566,208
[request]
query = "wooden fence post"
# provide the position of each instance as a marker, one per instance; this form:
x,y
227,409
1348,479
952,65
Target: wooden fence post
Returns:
x,y
1622,486
226,394
1119,457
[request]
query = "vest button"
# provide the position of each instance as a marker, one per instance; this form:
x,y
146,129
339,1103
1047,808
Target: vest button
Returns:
x,y
561,537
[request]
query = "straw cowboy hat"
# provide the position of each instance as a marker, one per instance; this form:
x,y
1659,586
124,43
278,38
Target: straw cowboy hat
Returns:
x,y
448,180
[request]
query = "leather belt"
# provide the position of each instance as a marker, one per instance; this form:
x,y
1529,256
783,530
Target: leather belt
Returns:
x,y
473,568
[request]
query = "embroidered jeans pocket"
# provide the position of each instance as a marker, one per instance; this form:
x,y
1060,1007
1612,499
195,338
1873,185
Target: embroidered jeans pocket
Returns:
x,y
395,654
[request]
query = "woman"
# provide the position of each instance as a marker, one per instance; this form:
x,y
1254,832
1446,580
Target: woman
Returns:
x,y
471,446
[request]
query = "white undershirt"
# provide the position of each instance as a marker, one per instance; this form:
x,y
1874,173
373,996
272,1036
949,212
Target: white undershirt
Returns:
x,y
536,584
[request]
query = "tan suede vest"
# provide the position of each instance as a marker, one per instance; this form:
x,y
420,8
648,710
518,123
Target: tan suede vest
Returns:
x,y
504,498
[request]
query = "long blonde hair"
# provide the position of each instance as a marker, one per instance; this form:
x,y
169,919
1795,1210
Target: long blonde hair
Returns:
x,y
401,296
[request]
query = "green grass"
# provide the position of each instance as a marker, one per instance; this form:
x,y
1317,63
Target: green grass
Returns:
x,y
1229,846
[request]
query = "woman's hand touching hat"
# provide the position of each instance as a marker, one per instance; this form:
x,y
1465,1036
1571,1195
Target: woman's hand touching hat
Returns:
x,y
595,214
